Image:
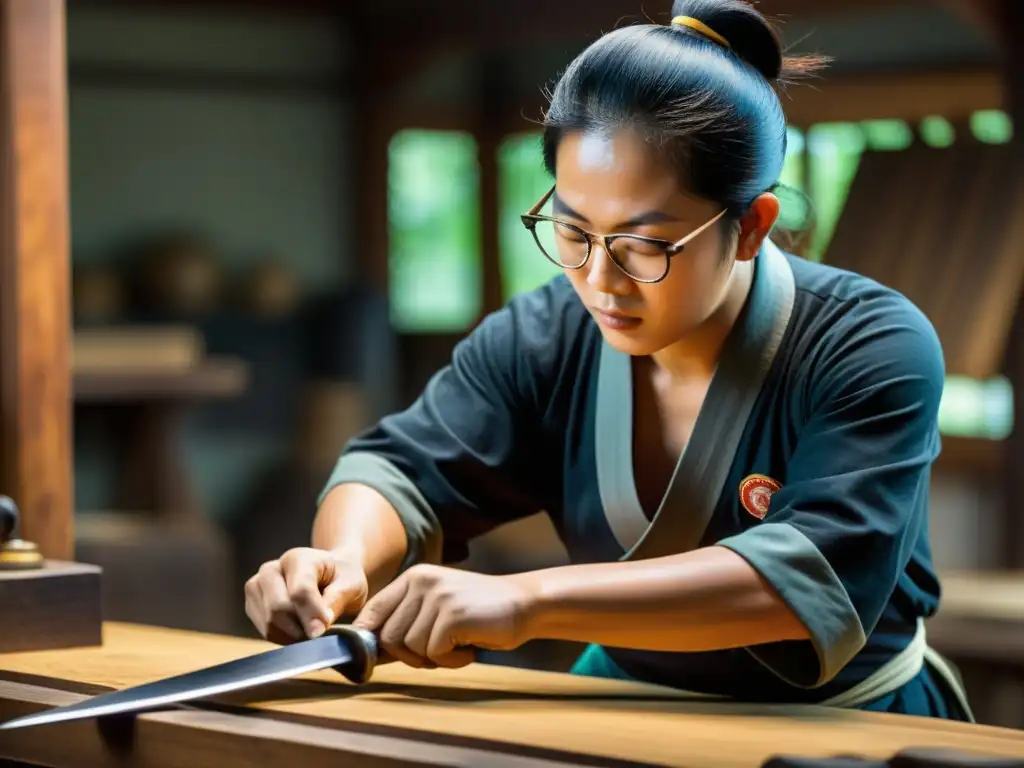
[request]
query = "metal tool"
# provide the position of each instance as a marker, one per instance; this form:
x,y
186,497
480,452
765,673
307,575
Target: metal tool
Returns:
x,y
350,650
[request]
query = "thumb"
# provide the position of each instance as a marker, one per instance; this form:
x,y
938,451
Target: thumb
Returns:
x,y
346,594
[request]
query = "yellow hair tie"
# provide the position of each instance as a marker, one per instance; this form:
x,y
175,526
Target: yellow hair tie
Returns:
x,y
699,26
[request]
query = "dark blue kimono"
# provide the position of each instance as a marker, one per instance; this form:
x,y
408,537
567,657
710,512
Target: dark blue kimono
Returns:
x,y
810,458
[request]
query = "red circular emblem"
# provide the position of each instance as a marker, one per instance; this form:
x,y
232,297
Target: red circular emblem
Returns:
x,y
756,493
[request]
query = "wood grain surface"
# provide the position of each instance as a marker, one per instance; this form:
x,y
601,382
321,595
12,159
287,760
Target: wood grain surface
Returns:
x,y
35,303
57,606
509,711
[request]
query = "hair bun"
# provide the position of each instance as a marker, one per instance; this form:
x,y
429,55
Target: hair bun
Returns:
x,y
750,35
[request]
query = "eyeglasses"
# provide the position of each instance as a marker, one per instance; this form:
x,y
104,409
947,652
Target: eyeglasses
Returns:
x,y
643,259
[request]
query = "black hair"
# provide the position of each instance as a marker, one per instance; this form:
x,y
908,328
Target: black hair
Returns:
x,y
713,109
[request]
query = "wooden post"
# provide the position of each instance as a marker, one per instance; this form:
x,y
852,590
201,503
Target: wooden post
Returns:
x,y
1002,21
491,109
1008,18
35,384
1013,540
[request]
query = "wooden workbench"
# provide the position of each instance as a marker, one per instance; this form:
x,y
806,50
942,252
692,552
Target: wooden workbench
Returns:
x,y
480,715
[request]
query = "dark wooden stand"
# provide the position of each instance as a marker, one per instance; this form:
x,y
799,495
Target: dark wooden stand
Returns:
x,y
55,606
44,604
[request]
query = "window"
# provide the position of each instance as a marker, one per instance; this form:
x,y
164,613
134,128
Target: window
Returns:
x,y
833,156
793,166
937,131
522,182
972,408
992,126
434,258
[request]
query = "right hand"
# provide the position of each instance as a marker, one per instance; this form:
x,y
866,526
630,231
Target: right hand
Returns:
x,y
303,592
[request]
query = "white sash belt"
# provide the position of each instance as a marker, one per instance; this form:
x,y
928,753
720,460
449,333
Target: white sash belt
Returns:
x,y
895,673
900,670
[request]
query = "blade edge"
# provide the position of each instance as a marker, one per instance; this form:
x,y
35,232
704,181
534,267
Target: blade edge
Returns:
x,y
88,709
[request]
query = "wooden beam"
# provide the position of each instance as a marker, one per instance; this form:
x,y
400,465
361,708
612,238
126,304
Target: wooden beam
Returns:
x,y
488,129
911,96
491,24
984,15
955,94
35,387
241,7
1013,448
458,14
410,38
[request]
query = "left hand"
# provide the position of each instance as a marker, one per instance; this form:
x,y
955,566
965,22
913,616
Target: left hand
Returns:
x,y
431,616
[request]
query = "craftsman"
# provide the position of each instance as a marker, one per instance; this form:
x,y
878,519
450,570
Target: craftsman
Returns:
x,y
733,443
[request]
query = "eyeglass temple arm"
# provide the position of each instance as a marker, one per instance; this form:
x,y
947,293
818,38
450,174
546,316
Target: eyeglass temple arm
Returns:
x,y
540,203
690,235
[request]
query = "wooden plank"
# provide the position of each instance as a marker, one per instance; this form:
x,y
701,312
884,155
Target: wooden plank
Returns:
x,y
500,709
169,739
35,387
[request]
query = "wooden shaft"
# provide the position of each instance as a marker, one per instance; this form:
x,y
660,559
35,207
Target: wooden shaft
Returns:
x,y
35,386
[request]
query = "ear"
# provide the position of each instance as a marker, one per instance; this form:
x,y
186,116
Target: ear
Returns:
x,y
755,225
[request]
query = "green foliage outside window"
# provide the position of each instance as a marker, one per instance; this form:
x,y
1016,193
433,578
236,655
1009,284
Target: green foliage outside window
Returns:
x,y
522,182
434,231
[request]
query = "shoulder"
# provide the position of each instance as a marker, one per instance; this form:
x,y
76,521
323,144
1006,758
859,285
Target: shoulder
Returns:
x,y
857,333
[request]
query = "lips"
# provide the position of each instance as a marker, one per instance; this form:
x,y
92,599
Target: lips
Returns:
x,y
616,320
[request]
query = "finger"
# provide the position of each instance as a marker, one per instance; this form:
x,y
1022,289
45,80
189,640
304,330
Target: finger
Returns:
x,y
395,629
344,595
417,636
460,657
302,578
380,607
277,604
442,649
254,605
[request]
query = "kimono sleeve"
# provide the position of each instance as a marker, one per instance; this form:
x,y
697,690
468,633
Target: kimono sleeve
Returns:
x,y
473,451
839,534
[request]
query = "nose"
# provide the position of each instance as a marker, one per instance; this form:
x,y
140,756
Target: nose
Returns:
x,y
603,275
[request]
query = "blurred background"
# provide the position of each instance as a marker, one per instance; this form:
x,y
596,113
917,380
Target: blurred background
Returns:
x,y
285,214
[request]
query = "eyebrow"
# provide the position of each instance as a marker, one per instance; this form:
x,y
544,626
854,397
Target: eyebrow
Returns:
x,y
641,219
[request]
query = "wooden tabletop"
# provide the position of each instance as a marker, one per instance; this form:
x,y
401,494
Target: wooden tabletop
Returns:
x,y
477,715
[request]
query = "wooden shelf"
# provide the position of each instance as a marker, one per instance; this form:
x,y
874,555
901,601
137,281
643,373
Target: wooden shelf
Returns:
x,y
215,377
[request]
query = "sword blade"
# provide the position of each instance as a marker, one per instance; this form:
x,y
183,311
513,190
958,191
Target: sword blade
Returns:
x,y
330,650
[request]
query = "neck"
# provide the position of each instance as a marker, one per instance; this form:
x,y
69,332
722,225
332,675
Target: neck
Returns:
x,y
697,353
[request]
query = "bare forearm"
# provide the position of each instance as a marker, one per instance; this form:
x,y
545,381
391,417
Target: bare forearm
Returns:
x,y
361,526
704,600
